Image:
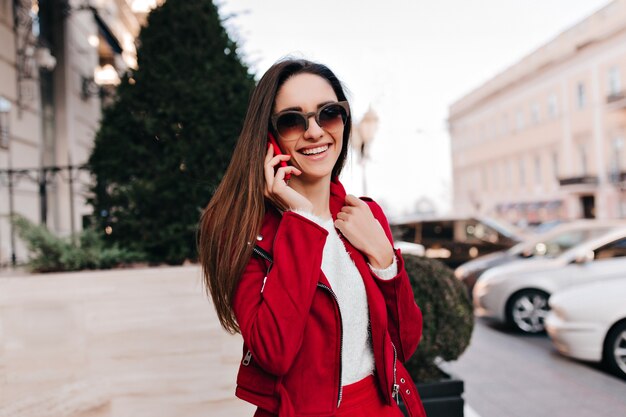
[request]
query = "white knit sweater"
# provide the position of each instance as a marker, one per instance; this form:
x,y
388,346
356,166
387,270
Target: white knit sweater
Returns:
x,y
347,284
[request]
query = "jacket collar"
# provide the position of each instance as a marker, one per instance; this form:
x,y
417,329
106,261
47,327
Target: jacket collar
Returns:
x,y
273,216
337,197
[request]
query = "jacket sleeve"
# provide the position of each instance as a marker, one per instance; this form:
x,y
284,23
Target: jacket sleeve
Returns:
x,y
272,311
404,315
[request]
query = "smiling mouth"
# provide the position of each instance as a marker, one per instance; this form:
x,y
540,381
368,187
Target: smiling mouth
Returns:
x,y
315,151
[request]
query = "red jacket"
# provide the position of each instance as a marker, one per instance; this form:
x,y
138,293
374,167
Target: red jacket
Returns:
x,y
291,323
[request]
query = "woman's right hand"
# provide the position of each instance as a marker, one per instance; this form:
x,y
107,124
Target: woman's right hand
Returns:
x,y
276,189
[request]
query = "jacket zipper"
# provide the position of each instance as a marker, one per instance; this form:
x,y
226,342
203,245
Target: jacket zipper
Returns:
x,y
395,391
262,253
341,339
247,358
246,361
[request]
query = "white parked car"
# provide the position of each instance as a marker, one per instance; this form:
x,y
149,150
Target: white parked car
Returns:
x,y
588,322
410,248
550,244
518,292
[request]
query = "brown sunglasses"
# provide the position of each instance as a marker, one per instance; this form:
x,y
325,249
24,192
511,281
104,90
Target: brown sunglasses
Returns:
x,y
292,124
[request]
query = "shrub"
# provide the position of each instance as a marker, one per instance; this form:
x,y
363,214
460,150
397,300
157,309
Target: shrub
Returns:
x,y
50,253
447,313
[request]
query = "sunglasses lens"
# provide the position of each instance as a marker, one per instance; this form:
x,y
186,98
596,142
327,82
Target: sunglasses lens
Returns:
x,y
290,125
332,117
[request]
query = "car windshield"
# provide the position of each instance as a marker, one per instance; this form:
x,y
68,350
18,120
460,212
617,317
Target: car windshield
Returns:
x,y
503,228
555,245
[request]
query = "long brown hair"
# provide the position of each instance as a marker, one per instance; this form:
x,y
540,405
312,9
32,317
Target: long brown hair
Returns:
x,y
233,217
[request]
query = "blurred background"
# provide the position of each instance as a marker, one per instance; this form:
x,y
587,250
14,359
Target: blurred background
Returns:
x,y
491,132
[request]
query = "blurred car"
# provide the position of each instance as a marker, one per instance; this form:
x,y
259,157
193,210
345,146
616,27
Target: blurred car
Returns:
x,y
517,293
588,322
547,226
550,244
457,240
410,248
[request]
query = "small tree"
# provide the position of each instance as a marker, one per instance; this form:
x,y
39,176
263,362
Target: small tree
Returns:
x,y
447,314
165,141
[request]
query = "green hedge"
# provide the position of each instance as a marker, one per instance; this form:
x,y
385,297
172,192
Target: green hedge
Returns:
x,y
447,313
50,253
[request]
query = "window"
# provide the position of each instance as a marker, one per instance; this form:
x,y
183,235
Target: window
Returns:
x,y
534,113
507,173
478,232
404,232
522,173
437,230
496,183
552,106
615,249
491,131
616,160
5,108
538,169
505,125
614,85
555,165
580,94
519,120
554,247
483,175
582,153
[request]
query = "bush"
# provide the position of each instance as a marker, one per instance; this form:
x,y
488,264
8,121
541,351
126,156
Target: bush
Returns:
x,y
447,313
50,253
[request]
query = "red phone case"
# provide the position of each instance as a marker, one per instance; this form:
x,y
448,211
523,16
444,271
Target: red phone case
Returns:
x,y
277,151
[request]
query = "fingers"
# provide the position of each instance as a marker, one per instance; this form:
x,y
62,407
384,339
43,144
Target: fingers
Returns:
x,y
269,166
273,160
282,171
354,201
268,169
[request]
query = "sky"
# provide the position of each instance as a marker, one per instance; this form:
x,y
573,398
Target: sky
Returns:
x,y
407,59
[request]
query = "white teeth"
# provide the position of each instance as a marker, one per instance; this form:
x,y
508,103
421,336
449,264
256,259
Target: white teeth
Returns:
x,y
314,151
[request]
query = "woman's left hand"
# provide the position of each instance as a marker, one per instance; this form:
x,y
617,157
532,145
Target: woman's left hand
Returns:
x,y
357,223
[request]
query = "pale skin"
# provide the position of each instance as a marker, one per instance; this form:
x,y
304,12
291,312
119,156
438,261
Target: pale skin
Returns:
x,y
309,186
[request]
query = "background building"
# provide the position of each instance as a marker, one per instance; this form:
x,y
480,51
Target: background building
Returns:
x,y
545,138
59,61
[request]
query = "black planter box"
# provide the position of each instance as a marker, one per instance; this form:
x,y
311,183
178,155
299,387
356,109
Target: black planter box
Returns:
x,y
443,398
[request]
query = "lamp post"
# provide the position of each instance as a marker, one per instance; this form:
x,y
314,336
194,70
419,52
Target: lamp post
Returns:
x,y
366,130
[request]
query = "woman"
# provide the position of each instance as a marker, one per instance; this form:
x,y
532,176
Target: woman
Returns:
x,y
307,274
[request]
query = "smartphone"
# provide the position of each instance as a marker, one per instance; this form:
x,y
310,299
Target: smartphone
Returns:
x,y
277,151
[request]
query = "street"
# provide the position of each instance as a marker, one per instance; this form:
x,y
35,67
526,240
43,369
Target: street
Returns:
x,y
509,375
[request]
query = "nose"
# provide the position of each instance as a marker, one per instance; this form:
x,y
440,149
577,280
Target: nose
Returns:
x,y
314,131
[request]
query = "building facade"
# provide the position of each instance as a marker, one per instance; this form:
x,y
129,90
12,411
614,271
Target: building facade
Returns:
x,y
59,61
544,140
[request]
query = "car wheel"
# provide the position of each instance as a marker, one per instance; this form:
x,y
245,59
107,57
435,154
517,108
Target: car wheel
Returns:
x,y
615,350
526,310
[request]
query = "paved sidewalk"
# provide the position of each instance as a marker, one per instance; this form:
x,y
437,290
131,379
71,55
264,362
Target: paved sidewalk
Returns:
x,y
138,342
